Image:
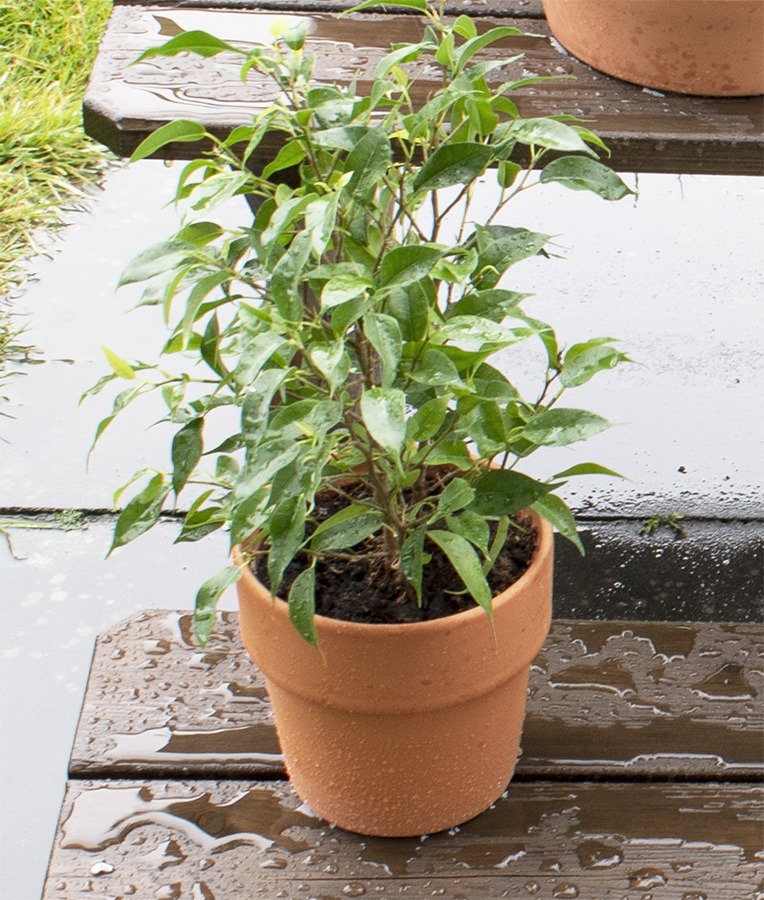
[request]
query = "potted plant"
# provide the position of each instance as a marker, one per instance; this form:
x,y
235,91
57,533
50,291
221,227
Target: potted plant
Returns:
x,y
371,476
711,47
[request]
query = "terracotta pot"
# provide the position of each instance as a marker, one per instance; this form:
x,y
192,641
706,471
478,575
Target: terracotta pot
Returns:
x,y
404,729
712,47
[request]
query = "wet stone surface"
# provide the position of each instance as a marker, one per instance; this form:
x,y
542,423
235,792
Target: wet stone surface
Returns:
x,y
543,839
605,698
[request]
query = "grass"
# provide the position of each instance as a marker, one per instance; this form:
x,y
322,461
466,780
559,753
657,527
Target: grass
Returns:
x,y
47,48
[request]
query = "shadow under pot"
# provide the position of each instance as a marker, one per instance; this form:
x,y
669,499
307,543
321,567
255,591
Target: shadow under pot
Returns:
x,y
409,729
706,47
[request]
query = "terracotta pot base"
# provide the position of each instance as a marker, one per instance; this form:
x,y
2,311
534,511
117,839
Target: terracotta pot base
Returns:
x,y
708,47
404,729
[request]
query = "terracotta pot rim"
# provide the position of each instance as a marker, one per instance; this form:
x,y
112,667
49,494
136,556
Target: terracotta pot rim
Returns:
x,y
384,631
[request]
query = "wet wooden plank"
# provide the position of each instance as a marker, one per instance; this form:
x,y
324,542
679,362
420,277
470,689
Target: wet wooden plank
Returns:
x,y
607,699
531,9
207,840
647,131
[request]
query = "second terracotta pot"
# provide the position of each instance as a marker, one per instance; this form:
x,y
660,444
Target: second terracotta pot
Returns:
x,y
712,47
403,729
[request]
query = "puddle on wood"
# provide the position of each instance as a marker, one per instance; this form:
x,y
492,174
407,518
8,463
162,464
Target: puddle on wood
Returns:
x,y
728,683
103,817
222,745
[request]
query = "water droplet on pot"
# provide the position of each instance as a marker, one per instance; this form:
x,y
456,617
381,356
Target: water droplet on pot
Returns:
x,y
565,891
354,889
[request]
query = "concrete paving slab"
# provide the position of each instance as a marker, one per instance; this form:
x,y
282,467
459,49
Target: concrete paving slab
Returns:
x,y
675,275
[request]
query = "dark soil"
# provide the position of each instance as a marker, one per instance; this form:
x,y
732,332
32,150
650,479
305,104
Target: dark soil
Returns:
x,y
364,589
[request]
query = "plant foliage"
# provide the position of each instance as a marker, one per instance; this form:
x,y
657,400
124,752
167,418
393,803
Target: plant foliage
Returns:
x,y
353,323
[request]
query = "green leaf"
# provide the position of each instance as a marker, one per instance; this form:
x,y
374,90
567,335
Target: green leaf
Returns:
x,y
475,329
368,161
286,531
410,306
413,559
256,404
344,137
507,172
384,334
180,131
582,174
158,259
141,513
501,246
256,351
207,599
118,365
405,265
420,5
384,414
198,42
556,512
559,427
289,155
427,421
343,287
302,605
472,527
476,44
331,360
457,163
465,561
584,361
345,529
186,452
495,304
455,496
549,133
587,469
502,492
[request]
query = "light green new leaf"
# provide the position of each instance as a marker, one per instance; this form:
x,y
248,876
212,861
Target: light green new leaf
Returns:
x,y
207,599
180,131
467,565
556,512
559,427
118,365
302,605
384,414
580,173
457,163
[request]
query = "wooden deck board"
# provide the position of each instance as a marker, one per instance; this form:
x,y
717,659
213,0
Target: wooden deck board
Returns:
x,y
606,700
207,840
647,131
